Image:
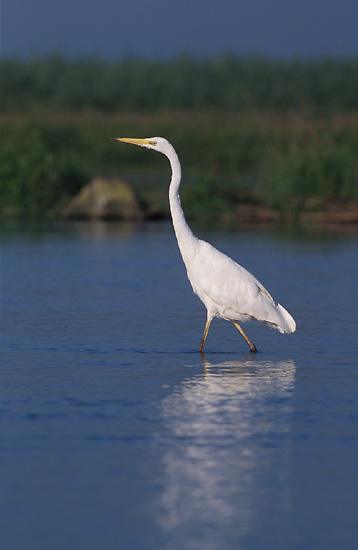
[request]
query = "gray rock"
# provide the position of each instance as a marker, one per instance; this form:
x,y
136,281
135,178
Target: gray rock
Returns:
x,y
106,198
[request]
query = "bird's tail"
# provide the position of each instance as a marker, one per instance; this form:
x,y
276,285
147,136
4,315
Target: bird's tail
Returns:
x,y
283,321
272,314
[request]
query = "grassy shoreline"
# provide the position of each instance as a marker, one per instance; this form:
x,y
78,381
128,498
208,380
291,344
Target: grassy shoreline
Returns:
x,y
287,162
274,134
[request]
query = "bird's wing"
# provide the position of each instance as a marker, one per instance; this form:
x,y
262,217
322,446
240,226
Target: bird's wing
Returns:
x,y
232,292
222,274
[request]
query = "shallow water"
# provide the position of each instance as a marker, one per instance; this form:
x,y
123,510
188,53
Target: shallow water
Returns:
x,y
117,433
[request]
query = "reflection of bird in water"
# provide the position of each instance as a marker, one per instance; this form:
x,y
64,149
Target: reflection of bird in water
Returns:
x,y
226,457
227,290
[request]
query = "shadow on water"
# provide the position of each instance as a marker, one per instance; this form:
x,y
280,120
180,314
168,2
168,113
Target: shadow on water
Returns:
x,y
227,456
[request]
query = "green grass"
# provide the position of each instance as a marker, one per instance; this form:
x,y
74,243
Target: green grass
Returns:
x,y
305,171
284,134
184,83
274,158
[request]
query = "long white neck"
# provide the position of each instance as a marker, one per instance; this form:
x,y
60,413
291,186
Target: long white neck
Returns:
x,y
185,237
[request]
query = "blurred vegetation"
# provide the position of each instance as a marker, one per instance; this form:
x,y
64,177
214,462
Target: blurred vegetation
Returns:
x,y
281,133
131,84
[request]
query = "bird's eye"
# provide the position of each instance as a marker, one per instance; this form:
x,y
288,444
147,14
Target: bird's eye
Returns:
x,y
152,143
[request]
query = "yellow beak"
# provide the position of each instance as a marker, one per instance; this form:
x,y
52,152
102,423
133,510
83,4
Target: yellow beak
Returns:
x,y
135,141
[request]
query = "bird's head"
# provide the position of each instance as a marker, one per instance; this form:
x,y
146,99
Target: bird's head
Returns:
x,y
157,143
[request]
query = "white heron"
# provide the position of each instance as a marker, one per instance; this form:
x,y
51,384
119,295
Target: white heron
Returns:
x,y
226,288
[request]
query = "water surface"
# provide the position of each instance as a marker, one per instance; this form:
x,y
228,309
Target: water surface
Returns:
x,y
117,433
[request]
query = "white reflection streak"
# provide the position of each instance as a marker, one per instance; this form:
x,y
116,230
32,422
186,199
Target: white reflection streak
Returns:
x,y
226,434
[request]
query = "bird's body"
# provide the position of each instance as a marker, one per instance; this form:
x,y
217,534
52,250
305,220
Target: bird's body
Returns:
x,y
227,289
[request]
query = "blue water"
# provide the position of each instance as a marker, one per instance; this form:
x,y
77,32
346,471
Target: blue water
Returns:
x,y
118,434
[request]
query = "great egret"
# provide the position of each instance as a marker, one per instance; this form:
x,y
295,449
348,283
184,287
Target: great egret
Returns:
x,y
226,288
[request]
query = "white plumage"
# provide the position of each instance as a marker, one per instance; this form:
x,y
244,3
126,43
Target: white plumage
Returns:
x,y
227,289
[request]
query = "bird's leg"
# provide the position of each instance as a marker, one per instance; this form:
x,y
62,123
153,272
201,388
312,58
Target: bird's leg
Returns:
x,y
253,348
206,330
